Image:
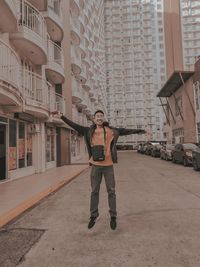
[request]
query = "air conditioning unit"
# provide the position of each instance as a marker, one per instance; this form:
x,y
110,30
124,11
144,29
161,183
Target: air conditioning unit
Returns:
x,y
33,128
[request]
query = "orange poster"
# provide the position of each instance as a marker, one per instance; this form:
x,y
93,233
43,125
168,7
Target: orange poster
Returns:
x,y
29,143
21,144
12,158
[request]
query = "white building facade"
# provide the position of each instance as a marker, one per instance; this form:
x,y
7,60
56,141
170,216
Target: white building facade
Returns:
x,y
135,66
190,11
31,68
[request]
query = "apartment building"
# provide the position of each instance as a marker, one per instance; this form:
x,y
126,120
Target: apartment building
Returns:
x,y
190,17
87,66
31,77
135,66
180,94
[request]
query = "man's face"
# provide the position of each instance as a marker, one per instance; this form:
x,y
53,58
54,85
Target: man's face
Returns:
x,y
99,119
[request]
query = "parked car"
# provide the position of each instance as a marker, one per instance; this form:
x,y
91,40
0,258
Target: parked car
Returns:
x,y
144,148
124,147
150,146
182,153
166,152
139,148
196,159
155,150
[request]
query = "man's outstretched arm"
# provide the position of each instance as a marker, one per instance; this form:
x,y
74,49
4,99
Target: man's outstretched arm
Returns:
x,y
79,128
124,131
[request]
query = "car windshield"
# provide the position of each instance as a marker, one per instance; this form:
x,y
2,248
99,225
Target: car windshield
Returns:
x,y
190,146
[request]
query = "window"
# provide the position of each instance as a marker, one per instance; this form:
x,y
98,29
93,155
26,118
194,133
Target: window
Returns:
x,y
50,144
21,145
178,106
12,144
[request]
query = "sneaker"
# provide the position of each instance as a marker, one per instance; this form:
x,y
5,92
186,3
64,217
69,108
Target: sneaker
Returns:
x,y
92,222
113,223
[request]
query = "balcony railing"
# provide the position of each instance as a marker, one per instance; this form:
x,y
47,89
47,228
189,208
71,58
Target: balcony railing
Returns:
x,y
57,102
55,53
31,18
38,91
9,65
35,89
54,5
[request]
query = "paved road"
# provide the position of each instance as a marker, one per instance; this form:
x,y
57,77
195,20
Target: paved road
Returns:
x,y
158,221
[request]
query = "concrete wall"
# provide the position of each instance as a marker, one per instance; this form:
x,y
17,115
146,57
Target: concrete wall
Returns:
x,y
173,36
188,121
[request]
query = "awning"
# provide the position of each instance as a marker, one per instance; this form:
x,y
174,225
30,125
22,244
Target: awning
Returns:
x,y
174,83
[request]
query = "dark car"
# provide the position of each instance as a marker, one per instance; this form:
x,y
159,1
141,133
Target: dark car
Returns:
x,y
124,147
182,153
155,151
166,151
196,159
150,146
144,148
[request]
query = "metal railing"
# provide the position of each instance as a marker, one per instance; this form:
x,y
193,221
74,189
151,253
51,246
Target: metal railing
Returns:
x,y
54,5
31,18
35,88
56,102
9,65
55,53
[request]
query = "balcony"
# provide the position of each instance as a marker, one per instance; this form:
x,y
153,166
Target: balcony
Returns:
x,y
83,104
55,65
31,38
75,7
83,75
87,86
75,30
76,92
75,60
8,16
56,103
36,94
54,20
10,91
39,4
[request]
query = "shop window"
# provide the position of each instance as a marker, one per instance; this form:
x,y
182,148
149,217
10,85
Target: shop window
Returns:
x,y
12,145
21,145
29,153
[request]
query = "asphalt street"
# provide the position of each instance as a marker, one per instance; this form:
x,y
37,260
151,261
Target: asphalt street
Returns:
x,y
158,205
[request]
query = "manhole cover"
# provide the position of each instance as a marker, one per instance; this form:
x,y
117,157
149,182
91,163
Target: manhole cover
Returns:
x,y
15,243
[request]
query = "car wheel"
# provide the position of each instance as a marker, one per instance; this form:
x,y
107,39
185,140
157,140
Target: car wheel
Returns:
x,y
195,165
185,162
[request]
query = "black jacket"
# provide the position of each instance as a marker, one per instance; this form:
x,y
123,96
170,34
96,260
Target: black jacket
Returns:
x,y
87,132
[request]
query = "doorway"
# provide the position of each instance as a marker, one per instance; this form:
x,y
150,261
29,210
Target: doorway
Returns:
x,y
2,151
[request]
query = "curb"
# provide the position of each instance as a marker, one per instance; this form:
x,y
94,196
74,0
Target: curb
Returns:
x,y
18,210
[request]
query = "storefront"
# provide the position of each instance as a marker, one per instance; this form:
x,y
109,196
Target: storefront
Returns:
x,y
16,148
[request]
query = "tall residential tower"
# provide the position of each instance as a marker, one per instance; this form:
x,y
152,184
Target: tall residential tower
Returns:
x,y
135,65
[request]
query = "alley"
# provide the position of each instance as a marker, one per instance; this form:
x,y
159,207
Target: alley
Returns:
x,y
158,221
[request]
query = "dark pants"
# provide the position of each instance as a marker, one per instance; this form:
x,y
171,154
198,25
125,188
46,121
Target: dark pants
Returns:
x,y
96,177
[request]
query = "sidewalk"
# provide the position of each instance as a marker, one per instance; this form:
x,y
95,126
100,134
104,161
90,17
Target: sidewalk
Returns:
x,y
18,195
